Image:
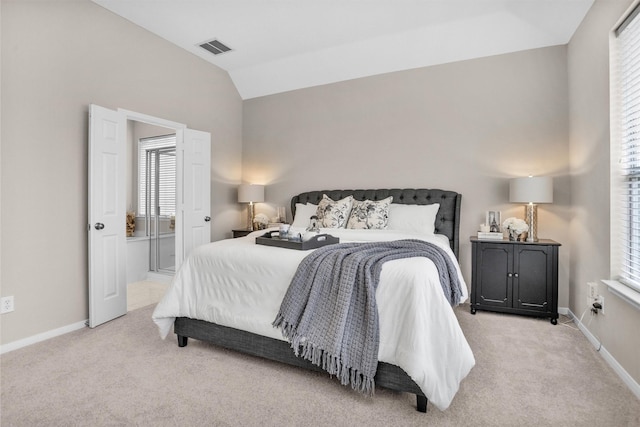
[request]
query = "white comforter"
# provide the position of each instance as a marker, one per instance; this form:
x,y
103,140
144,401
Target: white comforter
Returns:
x,y
240,284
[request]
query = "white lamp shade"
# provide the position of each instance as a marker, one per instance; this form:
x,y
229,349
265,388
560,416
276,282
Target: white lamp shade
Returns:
x,y
531,190
248,193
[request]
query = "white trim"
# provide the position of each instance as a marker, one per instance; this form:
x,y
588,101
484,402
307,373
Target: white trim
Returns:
x,y
622,373
15,345
624,292
156,121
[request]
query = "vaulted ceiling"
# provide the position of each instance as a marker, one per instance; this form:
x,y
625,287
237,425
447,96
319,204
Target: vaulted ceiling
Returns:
x,y
282,45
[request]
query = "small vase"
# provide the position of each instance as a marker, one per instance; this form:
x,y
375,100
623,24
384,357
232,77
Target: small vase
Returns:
x,y
513,235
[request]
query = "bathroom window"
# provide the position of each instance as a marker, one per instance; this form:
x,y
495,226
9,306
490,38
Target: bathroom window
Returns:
x,y
157,152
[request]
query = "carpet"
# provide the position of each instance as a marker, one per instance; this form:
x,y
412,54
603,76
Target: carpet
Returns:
x,y
528,373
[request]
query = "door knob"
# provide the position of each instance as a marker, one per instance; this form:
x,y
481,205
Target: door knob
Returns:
x,y
207,218
99,226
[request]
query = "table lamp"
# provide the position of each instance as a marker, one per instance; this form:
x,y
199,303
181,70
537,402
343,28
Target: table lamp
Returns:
x,y
531,190
250,193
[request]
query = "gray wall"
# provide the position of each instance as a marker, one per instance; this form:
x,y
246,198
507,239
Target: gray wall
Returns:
x,y
588,64
57,58
466,126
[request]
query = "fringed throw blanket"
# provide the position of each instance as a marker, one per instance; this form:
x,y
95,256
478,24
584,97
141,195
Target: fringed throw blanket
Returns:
x,y
329,313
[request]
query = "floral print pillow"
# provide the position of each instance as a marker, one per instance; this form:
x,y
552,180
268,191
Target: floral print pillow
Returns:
x,y
332,214
369,214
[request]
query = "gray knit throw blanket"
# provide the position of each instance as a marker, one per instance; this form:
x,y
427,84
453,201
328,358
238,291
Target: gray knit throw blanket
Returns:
x,y
329,313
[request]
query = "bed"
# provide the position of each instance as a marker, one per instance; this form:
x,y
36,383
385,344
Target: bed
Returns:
x,y
243,321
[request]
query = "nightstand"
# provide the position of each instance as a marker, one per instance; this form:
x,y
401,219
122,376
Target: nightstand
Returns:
x,y
515,277
240,233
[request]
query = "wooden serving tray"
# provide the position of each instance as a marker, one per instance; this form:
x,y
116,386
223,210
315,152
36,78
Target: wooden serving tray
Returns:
x,y
314,243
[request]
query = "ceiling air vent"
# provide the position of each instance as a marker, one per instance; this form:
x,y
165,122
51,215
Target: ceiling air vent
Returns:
x,y
215,47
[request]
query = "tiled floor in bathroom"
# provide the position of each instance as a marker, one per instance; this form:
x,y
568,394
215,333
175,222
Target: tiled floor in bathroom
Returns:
x,y
144,293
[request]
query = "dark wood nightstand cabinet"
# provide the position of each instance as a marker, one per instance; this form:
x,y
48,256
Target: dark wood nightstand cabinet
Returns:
x,y
240,233
515,277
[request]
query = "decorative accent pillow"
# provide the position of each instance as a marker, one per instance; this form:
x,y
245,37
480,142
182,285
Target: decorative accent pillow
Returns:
x,y
370,214
413,218
332,214
303,213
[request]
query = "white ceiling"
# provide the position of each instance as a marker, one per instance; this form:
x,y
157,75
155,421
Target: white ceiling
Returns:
x,y
282,45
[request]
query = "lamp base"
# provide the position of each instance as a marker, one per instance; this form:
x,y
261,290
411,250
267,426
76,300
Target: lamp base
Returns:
x,y
250,217
531,217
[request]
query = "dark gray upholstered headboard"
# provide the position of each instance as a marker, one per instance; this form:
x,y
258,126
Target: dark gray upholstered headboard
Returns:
x,y
447,219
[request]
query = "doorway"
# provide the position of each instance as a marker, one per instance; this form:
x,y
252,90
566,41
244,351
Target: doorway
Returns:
x,y
110,165
151,202
151,198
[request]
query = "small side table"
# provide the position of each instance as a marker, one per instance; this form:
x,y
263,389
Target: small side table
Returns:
x,y
240,233
515,277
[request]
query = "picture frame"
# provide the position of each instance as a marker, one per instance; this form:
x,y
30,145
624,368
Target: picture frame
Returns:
x,y
494,221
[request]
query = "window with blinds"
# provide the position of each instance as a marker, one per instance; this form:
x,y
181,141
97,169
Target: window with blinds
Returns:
x,y
157,153
625,194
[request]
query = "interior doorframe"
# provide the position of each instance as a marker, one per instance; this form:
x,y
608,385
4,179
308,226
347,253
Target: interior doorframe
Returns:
x,y
189,177
179,128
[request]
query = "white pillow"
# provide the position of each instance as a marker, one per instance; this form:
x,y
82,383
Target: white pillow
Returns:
x,y
413,218
303,213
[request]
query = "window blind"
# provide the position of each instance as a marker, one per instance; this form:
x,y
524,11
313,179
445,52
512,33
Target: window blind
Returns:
x,y
626,179
164,146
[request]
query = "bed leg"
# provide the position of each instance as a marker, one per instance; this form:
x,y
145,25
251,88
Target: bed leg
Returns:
x,y
182,341
421,403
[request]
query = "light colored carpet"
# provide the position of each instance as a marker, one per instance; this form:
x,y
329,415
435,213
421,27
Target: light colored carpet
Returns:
x,y
528,373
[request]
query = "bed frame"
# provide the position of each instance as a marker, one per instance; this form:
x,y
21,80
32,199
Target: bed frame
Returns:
x,y
387,376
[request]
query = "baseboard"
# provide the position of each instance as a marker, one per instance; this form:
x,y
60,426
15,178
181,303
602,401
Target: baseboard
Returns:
x,y
622,373
42,337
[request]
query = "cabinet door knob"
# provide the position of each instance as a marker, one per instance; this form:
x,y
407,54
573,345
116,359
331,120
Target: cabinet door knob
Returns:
x,y
515,274
509,274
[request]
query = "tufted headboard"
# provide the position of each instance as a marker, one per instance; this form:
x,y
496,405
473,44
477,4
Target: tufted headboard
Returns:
x,y
447,219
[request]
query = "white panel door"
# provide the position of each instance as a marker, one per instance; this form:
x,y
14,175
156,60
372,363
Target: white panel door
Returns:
x,y
106,228
194,197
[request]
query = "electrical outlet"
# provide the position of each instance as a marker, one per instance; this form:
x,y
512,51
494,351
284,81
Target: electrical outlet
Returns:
x,y
600,299
6,305
592,293
593,290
